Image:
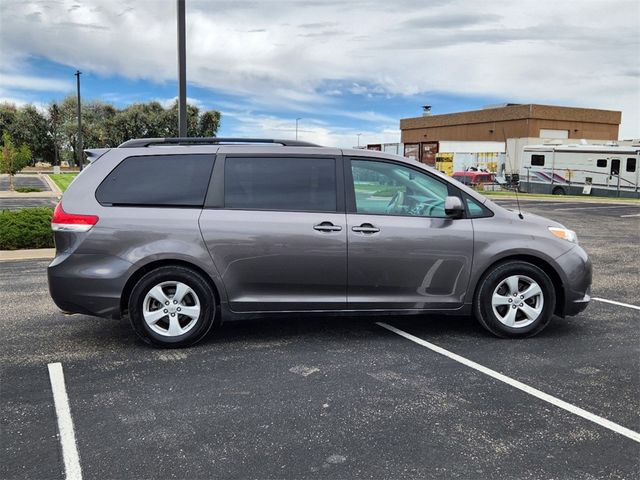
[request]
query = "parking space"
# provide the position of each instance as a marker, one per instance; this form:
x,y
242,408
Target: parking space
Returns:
x,y
17,203
24,181
333,397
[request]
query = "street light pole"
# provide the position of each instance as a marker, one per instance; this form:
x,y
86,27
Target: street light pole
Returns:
x,y
80,155
297,120
182,71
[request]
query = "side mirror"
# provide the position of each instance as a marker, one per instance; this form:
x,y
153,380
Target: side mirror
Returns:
x,y
453,207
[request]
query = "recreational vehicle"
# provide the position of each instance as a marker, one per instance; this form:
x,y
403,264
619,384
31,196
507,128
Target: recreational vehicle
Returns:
x,y
608,170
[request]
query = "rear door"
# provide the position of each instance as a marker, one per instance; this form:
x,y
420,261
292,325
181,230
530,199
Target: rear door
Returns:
x,y
403,253
276,229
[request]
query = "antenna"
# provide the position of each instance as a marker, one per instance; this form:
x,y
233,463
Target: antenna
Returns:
x,y
515,187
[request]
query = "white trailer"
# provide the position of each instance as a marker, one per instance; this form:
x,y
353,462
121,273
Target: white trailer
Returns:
x,y
609,170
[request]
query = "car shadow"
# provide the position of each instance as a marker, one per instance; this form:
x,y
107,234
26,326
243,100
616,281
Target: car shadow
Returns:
x,y
319,328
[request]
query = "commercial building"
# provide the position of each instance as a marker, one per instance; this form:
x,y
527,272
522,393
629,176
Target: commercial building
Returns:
x,y
421,135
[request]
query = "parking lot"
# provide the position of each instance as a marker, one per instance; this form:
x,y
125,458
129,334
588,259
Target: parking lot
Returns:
x,y
15,201
335,397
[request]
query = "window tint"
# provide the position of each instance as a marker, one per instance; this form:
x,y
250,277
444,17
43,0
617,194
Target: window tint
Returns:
x,y
631,164
389,189
537,160
602,163
158,180
293,184
476,210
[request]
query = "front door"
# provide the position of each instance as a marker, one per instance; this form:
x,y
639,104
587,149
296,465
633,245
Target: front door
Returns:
x,y
279,239
403,251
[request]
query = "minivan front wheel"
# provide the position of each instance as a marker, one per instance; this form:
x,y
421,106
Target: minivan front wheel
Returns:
x,y
172,307
515,299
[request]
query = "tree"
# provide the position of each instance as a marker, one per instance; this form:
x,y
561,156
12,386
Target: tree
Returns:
x,y
55,133
52,135
209,123
8,114
31,128
96,117
13,159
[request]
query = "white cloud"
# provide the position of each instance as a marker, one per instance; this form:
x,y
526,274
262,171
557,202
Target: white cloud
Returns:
x,y
26,82
309,130
167,102
280,53
19,102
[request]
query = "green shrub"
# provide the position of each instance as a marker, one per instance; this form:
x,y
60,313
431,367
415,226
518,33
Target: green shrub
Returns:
x,y
27,228
28,189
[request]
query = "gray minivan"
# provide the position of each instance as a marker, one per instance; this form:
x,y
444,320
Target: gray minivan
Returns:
x,y
180,234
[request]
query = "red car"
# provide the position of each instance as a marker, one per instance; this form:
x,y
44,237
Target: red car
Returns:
x,y
474,178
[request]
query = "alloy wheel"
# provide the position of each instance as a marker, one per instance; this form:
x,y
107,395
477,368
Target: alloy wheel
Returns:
x,y
517,301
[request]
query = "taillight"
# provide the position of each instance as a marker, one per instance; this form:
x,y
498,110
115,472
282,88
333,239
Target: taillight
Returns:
x,y
71,222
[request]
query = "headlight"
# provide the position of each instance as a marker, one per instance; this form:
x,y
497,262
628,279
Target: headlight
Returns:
x,y
564,233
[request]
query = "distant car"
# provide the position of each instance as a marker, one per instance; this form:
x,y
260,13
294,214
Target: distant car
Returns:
x,y
180,234
474,178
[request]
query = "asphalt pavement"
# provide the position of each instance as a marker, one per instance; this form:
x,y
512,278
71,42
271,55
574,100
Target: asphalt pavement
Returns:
x,y
23,181
333,397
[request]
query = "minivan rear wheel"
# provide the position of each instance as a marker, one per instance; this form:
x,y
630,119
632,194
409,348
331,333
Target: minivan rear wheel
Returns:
x,y
515,299
172,307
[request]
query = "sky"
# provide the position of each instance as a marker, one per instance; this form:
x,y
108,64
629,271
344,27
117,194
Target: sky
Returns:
x,y
342,67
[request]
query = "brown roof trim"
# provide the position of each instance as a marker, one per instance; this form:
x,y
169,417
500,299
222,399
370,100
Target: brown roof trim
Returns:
x,y
514,112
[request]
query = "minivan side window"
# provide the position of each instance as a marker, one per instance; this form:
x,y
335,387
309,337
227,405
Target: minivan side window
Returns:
x,y
476,209
157,180
280,183
537,160
383,188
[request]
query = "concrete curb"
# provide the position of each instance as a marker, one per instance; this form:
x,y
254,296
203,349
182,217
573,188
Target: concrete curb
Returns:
x,y
560,199
34,254
8,194
52,185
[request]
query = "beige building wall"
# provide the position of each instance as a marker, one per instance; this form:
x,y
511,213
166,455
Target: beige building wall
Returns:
x,y
499,124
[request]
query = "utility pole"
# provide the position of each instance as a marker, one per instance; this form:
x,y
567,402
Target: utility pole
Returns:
x,y
80,154
182,71
297,120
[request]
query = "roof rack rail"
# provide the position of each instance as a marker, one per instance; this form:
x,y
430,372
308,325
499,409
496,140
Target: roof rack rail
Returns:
x,y
146,142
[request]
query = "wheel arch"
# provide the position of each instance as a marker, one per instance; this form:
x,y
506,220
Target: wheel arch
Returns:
x,y
148,267
535,261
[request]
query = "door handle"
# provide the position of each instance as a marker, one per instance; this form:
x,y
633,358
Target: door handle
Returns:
x,y
327,227
366,228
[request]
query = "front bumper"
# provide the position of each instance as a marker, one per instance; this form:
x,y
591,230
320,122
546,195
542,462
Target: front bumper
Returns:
x,y
91,284
577,273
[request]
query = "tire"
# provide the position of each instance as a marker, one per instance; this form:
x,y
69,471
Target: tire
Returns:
x,y
558,191
161,319
530,315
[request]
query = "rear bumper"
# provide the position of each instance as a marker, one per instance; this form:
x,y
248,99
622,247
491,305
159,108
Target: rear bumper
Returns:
x,y
88,283
577,272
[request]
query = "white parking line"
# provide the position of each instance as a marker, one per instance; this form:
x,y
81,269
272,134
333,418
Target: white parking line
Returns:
x,y
629,216
65,423
519,385
613,302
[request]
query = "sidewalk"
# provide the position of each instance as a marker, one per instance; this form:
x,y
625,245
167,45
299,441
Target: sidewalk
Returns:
x,y
35,254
